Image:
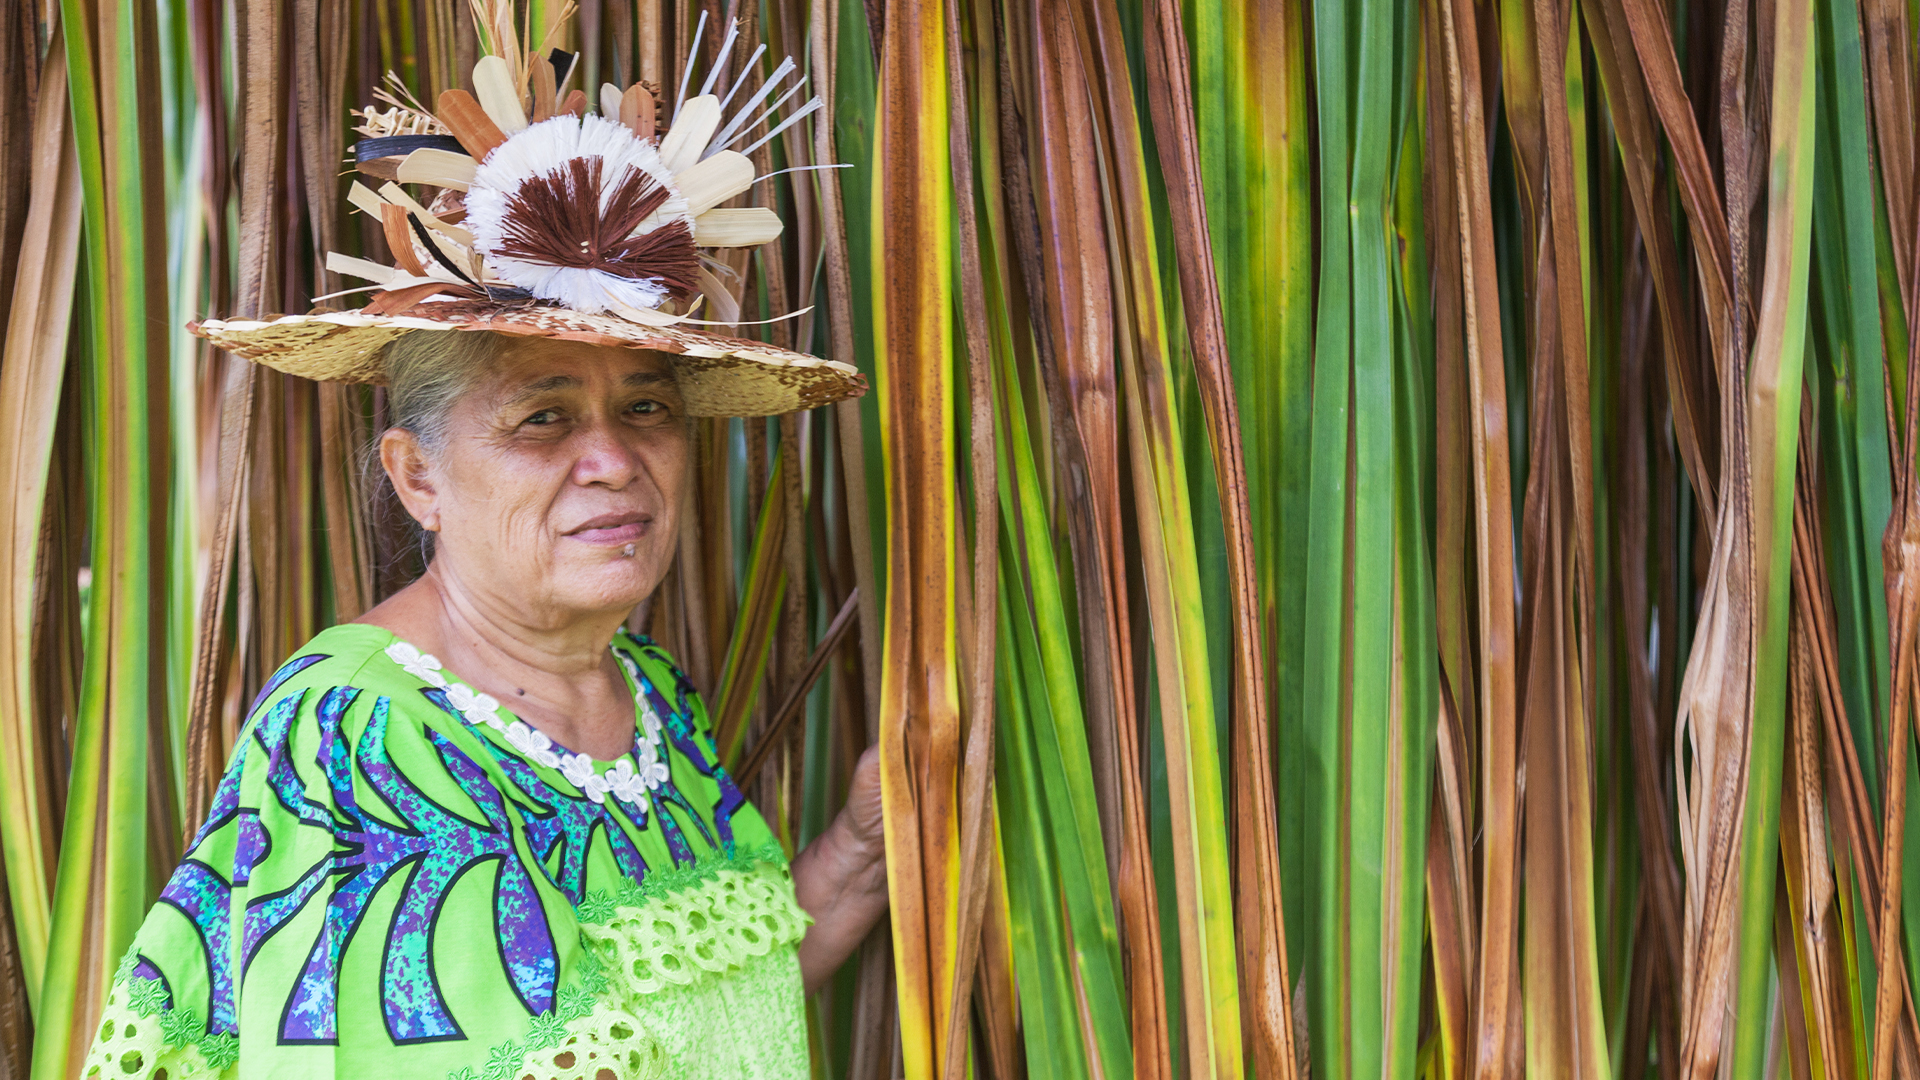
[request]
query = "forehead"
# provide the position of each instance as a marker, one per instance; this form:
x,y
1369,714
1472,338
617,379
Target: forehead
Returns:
x,y
540,364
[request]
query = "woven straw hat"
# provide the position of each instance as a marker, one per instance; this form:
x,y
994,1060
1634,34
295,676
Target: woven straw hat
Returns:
x,y
539,218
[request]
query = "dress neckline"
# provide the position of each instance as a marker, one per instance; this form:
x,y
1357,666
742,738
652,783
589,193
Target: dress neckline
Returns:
x,y
631,777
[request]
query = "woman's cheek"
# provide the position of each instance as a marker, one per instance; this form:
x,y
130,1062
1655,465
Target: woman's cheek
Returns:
x,y
507,533
526,538
519,496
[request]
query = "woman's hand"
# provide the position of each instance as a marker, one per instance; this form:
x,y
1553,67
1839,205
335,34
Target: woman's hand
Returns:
x,y
841,878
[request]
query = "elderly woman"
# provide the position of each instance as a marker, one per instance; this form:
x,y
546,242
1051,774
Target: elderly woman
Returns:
x,y
483,831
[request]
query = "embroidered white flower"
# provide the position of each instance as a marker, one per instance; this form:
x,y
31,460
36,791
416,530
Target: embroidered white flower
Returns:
x,y
653,771
626,784
596,788
577,768
473,707
418,664
650,723
532,743
633,672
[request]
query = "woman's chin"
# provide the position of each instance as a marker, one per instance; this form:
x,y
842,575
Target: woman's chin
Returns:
x,y
606,584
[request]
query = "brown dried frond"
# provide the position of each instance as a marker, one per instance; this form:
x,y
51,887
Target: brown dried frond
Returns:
x,y
556,219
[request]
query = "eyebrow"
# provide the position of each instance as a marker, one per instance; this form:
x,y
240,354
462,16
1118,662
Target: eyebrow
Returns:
x,y
541,386
565,382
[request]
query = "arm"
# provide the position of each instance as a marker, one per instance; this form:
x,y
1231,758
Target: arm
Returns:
x,y
841,878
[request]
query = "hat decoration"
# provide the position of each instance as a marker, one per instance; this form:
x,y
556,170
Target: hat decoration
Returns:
x,y
548,219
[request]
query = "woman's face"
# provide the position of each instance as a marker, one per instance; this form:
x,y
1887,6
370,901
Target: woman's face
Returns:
x,y
563,458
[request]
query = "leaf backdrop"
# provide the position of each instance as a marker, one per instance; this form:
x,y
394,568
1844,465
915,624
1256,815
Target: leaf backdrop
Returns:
x,y
1383,542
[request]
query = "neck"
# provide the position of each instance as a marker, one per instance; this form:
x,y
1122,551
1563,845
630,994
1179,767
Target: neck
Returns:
x,y
502,630
554,672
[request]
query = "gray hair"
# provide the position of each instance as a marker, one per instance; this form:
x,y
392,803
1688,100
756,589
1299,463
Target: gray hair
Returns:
x,y
428,371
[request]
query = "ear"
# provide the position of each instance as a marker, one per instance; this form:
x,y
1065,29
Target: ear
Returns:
x,y
408,468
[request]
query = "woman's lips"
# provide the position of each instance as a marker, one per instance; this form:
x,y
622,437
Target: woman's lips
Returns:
x,y
623,529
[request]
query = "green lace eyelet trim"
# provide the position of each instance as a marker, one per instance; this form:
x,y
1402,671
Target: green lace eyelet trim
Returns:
x,y
739,907
139,1035
728,917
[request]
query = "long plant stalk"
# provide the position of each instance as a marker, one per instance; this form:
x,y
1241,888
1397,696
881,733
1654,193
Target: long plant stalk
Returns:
x,y
114,831
32,371
919,692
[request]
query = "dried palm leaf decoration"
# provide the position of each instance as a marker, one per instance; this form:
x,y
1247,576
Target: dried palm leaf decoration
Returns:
x,y
547,219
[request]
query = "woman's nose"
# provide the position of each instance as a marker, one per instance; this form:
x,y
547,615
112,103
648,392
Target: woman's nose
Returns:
x,y
605,457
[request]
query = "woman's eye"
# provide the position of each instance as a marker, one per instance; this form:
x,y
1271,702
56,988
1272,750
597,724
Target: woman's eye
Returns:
x,y
542,418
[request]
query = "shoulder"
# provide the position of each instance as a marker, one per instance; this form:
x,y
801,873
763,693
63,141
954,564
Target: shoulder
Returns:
x,y
661,678
659,666
646,650
349,666
337,656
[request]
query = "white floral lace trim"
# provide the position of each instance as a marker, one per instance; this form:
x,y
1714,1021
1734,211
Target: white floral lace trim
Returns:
x,y
417,664
633,777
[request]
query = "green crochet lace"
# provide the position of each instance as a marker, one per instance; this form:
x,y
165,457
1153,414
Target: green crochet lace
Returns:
x,y
690,950
139,1036
579,1040
684,936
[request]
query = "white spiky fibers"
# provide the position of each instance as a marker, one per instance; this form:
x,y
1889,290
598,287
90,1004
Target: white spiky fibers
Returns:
x,y
539,151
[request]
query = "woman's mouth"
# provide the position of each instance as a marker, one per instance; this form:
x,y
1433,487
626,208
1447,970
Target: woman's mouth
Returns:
x,y
612,529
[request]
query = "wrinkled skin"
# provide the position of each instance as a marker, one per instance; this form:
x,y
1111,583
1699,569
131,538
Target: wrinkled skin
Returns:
x,y
559,460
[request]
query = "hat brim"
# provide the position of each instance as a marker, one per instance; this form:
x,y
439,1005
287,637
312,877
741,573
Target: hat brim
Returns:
x,y
718,375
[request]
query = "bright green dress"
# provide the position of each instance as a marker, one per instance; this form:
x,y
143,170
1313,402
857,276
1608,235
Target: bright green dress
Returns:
x,y
399,879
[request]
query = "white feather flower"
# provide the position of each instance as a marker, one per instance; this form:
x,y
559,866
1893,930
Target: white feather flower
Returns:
x,y
579,211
